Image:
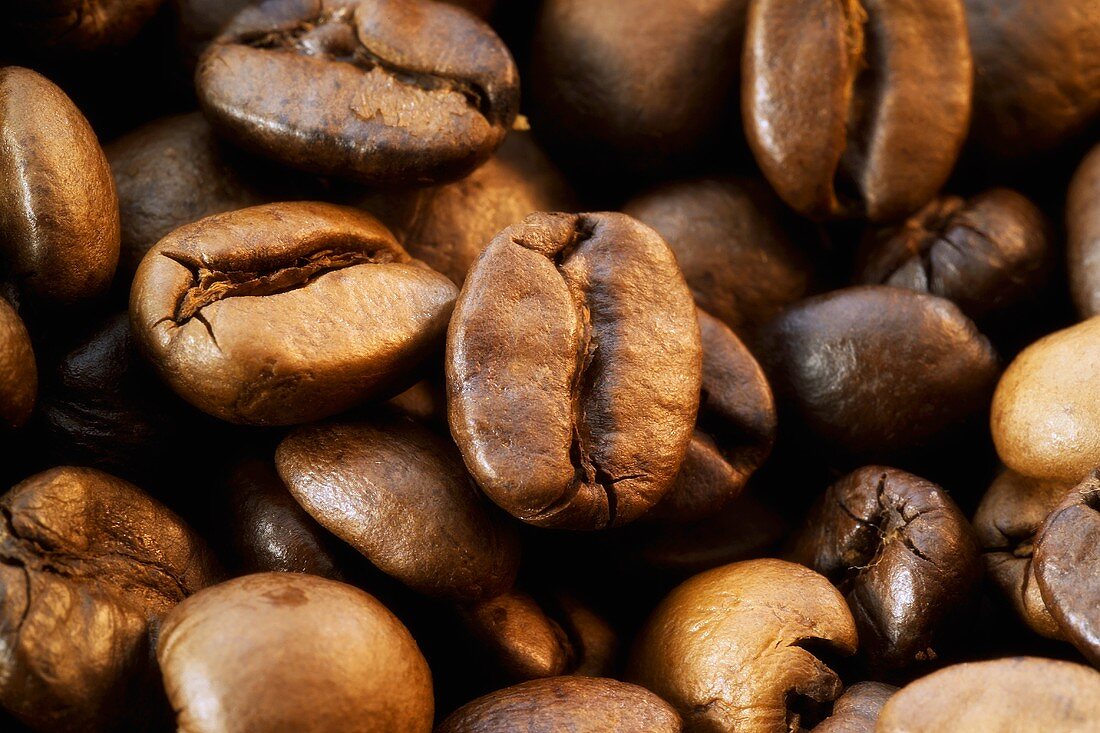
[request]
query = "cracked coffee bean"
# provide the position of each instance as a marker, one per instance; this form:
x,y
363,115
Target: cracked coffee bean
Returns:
x,y
383,92
1083,240
1067,566
1007,527
400,495
902,553
983,254
18,370
286,313
857,710
59,229
575,704
1012,694
573,370
856,107
736,648
88,567
290,652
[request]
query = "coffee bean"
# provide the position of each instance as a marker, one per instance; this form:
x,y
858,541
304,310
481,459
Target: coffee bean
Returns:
x,y
857,709
18,371
283,651
378,91
285,313
67,27
573,370
1083,245
856,108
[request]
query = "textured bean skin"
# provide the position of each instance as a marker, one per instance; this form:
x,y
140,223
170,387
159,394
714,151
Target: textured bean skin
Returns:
x,y
18,370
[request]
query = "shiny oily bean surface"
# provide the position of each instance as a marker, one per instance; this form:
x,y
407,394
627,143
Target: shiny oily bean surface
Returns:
x,y
59,230
87,564
857,710
400,495
728,648
1083,232
383,92
1011,695
18,370
573,370
575,704
285,313
856,108
290,652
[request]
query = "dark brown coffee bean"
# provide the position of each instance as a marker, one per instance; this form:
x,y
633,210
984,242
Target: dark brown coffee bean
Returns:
x,y
575,704
87,564
856,108
637,99
738,246
63,27
285,313
857,710
59,228
290,652
1067,566
1083,230
876,370
18,371
1036,69
903,554
573,370
401,496
379,91
1007,527
727,647
733,434
1012,694
425,402
984,253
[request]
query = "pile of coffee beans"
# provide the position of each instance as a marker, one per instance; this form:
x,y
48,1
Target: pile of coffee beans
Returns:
x,y
579,366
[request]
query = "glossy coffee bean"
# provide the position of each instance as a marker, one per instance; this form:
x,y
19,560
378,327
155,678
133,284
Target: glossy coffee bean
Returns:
x,y
1083,235
730,649
1036,67
903,554
1044,421
63,27
1007,527
1012,694
575,704
285,313
856,108
59,228
857,709
18,370
401,496
874,370
283,651
983,254
573,370
743,255
383,92
88,563
1067,566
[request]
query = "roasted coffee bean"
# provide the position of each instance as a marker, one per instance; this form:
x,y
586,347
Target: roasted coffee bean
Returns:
x,y
285,313
384,92
876,370
573,370
283,651
880,530
18,370
401,496
575,704
732,648
59,228
638,100
1012,694
984,253
1067,566
837,101
63,27
743,256
88,563
1036,70
1007,526
1045,423
857,710
733,434
1083,230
